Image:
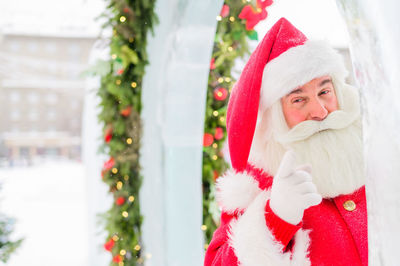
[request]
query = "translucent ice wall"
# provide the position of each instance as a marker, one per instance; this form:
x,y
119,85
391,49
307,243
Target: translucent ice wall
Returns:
x,y
375,36
99,199
174,94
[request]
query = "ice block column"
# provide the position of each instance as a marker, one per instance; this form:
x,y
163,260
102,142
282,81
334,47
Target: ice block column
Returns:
x,y
375,35
99,199
174,94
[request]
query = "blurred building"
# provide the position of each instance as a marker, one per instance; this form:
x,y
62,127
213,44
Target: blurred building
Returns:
x,y
41,82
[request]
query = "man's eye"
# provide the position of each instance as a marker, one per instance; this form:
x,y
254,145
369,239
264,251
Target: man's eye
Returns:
x,y
324,92
297,100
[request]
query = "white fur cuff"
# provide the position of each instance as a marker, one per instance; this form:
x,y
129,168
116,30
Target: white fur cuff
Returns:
x,y
235,191
254,244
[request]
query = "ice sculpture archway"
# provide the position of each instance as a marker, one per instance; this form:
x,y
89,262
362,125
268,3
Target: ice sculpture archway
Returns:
x,y
174,90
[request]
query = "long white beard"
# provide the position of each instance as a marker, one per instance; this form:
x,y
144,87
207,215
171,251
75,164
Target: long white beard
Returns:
x,y
333,147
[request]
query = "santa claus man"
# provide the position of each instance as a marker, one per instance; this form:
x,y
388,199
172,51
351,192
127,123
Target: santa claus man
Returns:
x,y
296,193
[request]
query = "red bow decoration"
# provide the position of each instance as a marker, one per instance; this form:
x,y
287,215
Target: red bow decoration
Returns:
x,y
253,16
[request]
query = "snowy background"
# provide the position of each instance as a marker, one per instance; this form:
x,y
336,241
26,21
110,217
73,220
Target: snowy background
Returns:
x,y
49,202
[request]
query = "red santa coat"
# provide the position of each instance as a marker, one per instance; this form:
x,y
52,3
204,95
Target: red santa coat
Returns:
x,y
250,234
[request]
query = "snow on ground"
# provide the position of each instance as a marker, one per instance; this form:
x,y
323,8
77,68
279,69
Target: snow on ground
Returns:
x,y
49,203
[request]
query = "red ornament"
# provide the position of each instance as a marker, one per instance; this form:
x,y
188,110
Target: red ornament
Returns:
x,y
107,138
212,64
109,164
253,16
108,134
215,175
224,11
126,10
117,258
109,245
208,139
220,94
126,111
219,133
120,201
120,71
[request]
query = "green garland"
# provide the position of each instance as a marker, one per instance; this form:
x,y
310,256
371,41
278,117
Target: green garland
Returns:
x,y
7,246
231,42
121,105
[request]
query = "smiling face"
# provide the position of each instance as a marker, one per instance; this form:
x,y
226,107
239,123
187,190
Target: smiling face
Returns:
x,y
312,101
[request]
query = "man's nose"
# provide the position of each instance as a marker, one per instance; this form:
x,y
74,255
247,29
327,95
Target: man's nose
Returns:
x,y
317,111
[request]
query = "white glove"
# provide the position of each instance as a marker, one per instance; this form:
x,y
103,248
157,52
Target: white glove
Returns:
x,y
292,190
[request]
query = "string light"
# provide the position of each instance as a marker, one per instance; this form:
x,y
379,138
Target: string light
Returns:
x,y
122,252
230,48
215,113
121,263
119,185
137,247
222,119
122,19
220,80
219,18
148,255
131,198
114,170
228,79
215,145
214,157
125,214
118,82
126,177
204,227
114,56
133,84
129,141
115,238
205,246
232,19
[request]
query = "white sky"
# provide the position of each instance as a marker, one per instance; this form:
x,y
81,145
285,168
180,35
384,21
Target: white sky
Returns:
x,y
317,19
51,17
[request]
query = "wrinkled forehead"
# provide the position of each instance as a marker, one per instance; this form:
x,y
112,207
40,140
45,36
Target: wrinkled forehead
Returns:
x,y
315,84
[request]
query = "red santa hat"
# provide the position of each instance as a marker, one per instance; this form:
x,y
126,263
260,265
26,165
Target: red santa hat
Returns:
x,y
284,60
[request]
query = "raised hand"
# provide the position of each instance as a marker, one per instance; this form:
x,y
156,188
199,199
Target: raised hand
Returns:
x,y
292,190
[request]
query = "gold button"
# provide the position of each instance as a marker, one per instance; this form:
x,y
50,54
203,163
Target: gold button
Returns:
x,y
349,205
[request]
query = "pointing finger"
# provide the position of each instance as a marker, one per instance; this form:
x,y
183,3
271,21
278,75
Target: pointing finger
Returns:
x,y
287,165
